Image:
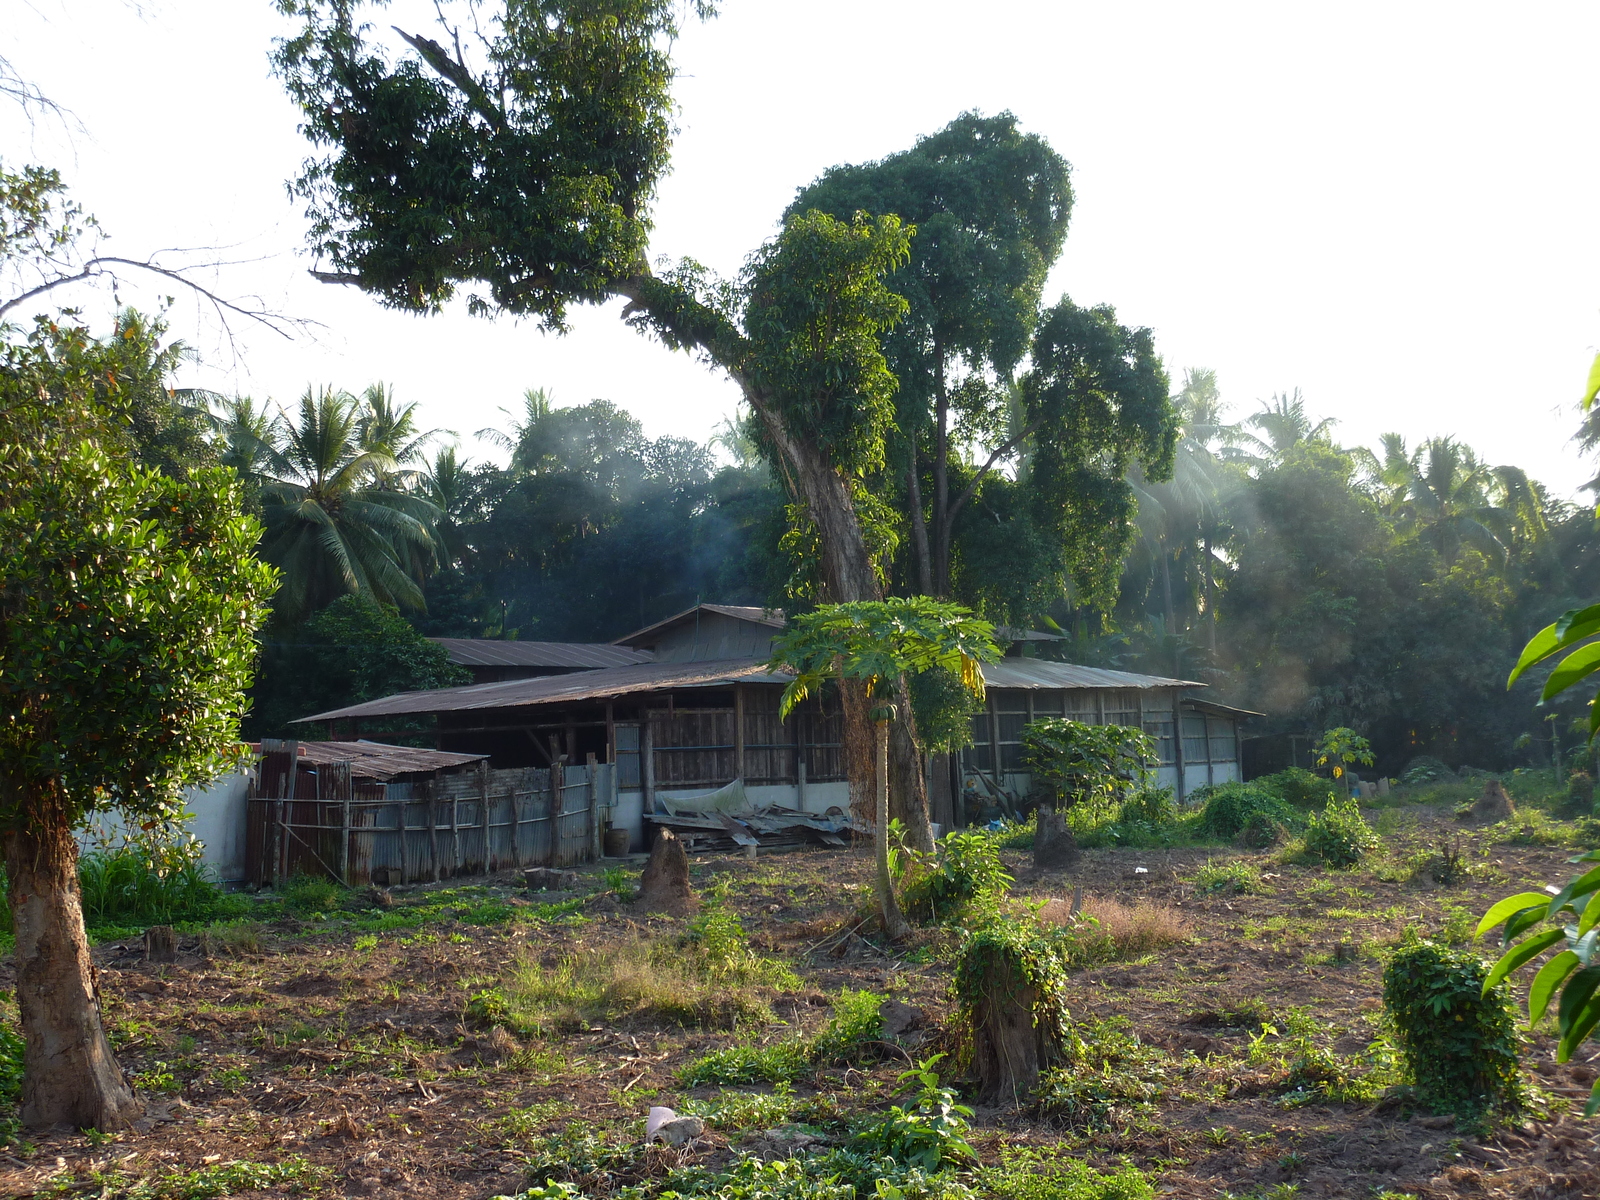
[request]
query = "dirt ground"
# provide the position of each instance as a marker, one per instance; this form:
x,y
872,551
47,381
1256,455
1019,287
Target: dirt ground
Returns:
x,y
338,1049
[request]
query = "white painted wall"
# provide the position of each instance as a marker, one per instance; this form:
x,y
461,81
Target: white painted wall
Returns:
x,y
219,823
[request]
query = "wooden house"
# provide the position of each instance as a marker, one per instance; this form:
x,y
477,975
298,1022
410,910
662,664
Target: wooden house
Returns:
x,y
703,712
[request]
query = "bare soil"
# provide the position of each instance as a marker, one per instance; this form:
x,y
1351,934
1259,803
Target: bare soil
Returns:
x,y
350,1049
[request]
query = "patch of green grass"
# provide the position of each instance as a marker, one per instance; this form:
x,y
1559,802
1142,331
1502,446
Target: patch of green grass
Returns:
x,y
1043,1173
780,1062
1235,876
853,1032
202,1183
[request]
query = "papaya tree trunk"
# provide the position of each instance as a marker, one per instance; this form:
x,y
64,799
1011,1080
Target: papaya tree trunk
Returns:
x,y
894,924
70,1075
908,791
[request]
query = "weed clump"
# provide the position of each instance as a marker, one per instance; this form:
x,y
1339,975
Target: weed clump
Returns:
x,y
1236,877
1229,807
311,893
1338,836
964,873
1109,1075
1458,1045
1041,1173
856,1026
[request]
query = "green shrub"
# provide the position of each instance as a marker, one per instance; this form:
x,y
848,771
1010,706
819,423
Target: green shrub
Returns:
x,y
11,1050
1338,836
929,1132
311,893
1260,831
1297,786
965,870
139,885
1229,807
1580,796
1084,764
1151,806
1108,1076
852,1032
1458,1046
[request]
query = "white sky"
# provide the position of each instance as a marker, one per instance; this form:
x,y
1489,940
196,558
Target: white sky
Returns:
x,y
1391,207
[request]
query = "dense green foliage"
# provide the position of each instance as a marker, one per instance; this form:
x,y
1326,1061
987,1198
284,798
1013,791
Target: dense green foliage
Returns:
x,y
127,600
1457,1038
352,650
1074,763
1230,808
964,871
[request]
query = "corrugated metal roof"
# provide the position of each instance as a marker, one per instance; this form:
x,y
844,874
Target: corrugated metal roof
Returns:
x,y
1039,673
740,612
1220,710
378,760
568,689
582,656
649,677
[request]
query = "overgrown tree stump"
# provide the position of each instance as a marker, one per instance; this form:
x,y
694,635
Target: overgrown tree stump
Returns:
x,y
1054,846
1494,804
664,886
1010,988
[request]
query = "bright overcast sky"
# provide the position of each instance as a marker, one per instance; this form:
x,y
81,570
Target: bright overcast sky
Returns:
x,y
1388,206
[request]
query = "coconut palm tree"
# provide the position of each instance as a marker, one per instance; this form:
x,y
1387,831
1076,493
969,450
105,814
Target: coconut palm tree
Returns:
x,y
334,524
446,483
385,426
1282,425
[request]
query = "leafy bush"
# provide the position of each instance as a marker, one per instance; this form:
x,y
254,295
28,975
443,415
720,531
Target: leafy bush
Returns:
x,y
1230,806
1297,786
928,1132
1078,763
1425,769
1339,836
965,870
1150,805
1458,1045
11,1048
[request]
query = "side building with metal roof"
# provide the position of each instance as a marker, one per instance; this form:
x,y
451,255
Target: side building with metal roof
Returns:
x,y
704,713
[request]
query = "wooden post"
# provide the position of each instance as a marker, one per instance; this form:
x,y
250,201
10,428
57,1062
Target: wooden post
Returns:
x,y
800,787
738,731
647,763
1177,739
594,808
339,776
994,743
483,809
558,778
611,733
433,825
455,833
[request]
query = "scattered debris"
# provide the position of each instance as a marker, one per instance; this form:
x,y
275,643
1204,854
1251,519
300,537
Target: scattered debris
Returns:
x,y
665,1125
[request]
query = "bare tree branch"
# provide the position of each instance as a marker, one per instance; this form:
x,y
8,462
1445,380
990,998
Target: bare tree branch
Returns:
x,y
1003,449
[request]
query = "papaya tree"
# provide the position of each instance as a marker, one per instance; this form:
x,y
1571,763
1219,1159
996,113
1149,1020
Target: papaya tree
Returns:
x,y
879,644
128,605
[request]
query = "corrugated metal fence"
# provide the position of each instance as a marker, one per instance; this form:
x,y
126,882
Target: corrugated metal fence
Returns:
x,y
468,823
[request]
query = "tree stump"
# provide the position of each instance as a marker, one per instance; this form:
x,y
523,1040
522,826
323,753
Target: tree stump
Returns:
x,y
1054,846
1494,804
664,886
1009,1047
160,944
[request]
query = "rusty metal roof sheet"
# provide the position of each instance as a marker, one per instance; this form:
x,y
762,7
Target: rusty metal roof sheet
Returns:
x,y
739,612
378,760
1042,674
1220,710
565,689
579,656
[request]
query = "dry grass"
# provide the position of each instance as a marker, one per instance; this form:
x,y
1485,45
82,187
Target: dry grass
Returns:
x,y
1115,930
633,981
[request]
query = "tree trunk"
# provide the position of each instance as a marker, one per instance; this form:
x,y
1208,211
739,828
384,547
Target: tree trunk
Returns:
x,y
1211,612
1166,591
908,793
919,526
70,1075
894,924
941,478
